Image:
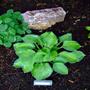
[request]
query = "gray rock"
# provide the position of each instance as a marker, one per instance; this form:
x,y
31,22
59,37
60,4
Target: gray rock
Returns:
x,y
44,18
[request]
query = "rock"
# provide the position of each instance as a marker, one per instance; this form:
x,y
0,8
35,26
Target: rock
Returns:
x,y
44,18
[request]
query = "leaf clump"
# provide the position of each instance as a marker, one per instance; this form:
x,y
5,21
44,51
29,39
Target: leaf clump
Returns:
x,y
12,27
41,55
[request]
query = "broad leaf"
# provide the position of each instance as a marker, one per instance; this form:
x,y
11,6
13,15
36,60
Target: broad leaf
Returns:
x,y
41,71
41,56
25,61
49,39
69,56
79,54
65,37
71,45
19,47
31,38
53,55
88,28
72,57
60,59
60,68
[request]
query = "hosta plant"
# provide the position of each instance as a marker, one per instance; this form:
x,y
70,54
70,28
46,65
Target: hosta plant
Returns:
x,y
41,55
12,26
88,28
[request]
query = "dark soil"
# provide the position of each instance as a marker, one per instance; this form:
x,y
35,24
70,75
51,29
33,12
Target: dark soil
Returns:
x,y
78,16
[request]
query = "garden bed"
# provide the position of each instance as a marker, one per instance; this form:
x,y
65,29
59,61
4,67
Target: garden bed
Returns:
x,y
78,16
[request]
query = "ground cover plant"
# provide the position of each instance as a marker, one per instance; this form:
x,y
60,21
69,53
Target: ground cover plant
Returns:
x,y
12,26
41,55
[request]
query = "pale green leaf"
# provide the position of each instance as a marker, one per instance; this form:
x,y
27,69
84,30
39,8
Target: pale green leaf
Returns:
x,y
79,54
88,28
25,61
60,59
19,47
60,68
40,57
31,38
69,56
53,55
41,71
49,39
65,37
71,45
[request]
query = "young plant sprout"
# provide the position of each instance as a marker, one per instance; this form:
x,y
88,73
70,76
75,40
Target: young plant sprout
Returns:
x,y
41,55
88,28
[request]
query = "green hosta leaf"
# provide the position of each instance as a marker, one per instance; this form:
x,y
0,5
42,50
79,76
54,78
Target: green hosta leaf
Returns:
x,y
88,28
60,68
71,45
65,37
25,62
49,39
80,55
46,50
42,71
50,54
40,57
19,47
53,55
72,57
28,66
31,38
69,56
27,54
18,63
60,59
